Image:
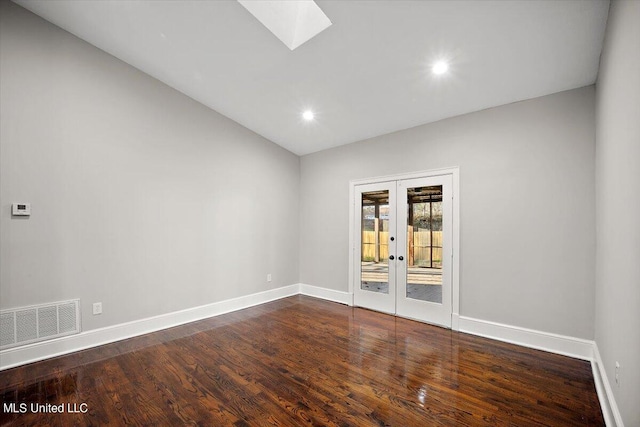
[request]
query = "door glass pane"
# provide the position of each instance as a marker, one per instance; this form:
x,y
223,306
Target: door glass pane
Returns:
x,y
375,242
424,243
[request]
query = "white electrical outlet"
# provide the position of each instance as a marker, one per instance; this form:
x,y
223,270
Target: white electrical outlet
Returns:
x,y
269,277
97,308
618,373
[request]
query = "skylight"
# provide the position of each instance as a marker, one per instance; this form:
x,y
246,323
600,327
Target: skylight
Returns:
x,y
293,22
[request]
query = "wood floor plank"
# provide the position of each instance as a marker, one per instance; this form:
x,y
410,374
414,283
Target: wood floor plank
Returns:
x,y
302,361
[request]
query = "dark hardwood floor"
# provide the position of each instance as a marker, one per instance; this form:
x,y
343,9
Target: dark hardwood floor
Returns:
x,y
303,361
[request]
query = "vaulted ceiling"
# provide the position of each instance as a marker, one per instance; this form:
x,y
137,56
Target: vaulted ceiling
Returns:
x,y
368,74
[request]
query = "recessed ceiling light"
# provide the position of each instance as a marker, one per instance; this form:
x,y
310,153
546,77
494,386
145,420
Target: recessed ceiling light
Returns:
x,y
440,67
308,115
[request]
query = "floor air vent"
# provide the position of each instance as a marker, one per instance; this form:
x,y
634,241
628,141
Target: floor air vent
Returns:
x,y
26,325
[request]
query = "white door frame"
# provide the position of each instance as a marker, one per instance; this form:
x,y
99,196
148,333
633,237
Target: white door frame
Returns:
x,y
455,265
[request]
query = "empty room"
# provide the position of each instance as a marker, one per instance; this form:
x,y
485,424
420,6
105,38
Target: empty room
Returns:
x,y
320,213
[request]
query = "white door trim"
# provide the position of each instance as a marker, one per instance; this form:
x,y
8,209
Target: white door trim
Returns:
x,y
455,265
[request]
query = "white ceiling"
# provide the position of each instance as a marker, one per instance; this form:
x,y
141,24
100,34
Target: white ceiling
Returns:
x,y
366,75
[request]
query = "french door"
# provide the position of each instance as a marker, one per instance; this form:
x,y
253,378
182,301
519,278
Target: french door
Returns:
x,y
403,247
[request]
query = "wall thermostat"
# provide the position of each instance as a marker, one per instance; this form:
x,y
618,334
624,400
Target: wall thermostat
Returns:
x,y
21,209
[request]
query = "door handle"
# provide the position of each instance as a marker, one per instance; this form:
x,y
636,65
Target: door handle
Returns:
x,y
391,257
400,258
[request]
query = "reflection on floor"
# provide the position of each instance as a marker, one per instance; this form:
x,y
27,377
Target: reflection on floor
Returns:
x,y
301,361
431,293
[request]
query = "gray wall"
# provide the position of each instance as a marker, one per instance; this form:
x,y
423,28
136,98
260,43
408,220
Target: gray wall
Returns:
x,y
527,207
149,202
617,324
142,198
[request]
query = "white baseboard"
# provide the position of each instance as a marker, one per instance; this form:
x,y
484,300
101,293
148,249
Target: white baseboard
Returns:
x,y
568,346
560,344
610,411
327,294
44,350
455,322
